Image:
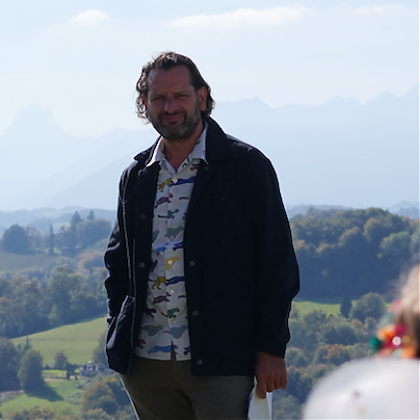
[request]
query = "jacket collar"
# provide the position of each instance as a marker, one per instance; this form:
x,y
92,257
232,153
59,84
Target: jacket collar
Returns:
x,y
218,147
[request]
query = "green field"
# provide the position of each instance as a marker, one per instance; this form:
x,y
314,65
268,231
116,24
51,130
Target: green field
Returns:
x,y
11,262
60,395
76,341
327,306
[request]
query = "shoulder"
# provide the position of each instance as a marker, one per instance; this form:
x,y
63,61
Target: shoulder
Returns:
x,y
222,145
245,150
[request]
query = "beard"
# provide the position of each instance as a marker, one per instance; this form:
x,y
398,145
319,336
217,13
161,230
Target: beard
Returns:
x,y
178,131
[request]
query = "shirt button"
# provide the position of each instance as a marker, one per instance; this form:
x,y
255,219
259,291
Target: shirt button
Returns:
x,y
142,216
199,362
142,265
170,262
195,312
174,180
192,263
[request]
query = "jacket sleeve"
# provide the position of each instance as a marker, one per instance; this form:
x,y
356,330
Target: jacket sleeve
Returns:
x,y
116,261
278,276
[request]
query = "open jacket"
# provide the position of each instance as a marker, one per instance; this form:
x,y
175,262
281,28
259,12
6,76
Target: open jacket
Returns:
x,y
240,268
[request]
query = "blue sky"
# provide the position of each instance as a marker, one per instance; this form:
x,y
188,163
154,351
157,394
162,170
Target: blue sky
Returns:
x,y
81,58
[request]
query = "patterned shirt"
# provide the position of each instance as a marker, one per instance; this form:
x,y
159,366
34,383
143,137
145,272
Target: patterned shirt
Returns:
x,y
164,323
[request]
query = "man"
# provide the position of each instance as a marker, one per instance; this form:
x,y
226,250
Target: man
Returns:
x,y
201,265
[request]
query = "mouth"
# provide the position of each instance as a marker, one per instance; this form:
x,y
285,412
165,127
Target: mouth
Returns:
x,y
172,118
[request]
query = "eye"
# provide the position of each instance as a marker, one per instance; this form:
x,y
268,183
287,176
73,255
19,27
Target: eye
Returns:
x,y
182,95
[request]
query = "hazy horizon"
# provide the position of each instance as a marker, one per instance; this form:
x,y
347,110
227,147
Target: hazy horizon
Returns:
x,y
328,90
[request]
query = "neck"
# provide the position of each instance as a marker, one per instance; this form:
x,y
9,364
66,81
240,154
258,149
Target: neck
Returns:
x,y
176,151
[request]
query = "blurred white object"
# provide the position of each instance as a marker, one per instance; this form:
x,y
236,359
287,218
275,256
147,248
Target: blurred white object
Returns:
x,y
260,408
373,388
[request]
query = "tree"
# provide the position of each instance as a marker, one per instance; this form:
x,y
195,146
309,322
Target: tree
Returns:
x,y
105,393
9,365
99,395
300,383
34,237
23,348
60,290
99,355
296,357
30,371
328,243
36,413
15,240
371,305
345,305
51,241
60,361
286,406
91,231
75,219
339,332
337,355
29,317
91,215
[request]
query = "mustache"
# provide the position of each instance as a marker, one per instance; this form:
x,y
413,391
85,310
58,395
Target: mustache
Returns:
x,y
170,114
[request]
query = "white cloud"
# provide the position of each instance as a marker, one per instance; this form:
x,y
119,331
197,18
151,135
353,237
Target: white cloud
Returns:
x,y
388,10
90,17
241,18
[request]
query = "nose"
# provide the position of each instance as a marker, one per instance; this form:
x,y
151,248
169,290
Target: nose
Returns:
x,y
170,104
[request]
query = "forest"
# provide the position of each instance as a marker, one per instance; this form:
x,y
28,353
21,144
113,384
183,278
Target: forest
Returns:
x,y
351,257
353,251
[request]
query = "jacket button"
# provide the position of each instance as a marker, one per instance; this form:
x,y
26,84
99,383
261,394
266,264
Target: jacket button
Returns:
x,y
142,265
192,263
199,362
142,216
195,312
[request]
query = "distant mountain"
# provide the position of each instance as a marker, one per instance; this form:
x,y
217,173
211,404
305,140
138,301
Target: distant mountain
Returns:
x,y
39,160
339,153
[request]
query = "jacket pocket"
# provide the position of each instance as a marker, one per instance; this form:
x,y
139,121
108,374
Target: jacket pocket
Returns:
x,y
119,337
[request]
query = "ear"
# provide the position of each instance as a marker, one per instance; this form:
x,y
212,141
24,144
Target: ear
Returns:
x,y
202,97
144,102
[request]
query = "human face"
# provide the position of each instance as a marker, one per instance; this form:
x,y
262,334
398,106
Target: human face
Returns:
x,y
173,105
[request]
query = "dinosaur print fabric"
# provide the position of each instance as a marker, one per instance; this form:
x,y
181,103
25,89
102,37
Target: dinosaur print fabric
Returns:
x,y
164,321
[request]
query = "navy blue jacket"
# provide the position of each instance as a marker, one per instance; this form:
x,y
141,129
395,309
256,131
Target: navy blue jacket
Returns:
x,y
240,268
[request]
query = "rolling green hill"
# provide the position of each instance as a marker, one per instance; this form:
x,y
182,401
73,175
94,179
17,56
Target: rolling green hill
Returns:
x,y
59,395
76,341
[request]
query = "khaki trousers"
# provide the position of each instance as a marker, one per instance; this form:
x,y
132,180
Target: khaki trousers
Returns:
x,y
166,390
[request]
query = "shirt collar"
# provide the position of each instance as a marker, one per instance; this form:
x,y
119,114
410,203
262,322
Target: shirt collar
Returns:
x,y
199,151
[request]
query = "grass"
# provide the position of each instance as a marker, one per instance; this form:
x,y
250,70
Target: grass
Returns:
x,y
76,341
54,374
326,305
56,395
11,262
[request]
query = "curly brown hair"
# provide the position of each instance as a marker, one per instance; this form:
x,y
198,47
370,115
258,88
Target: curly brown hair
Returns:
x,y
165,61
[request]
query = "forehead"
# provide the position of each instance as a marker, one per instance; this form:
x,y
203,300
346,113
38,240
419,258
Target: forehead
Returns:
x,y
175,78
